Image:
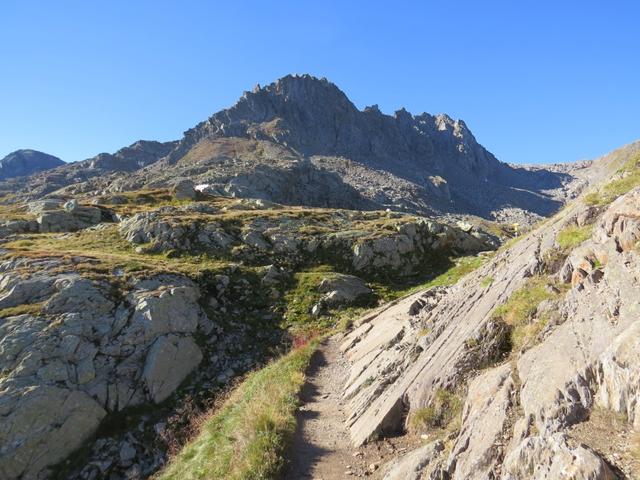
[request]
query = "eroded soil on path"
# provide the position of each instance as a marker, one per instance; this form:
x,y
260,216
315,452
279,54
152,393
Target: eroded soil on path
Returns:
x,y
321,448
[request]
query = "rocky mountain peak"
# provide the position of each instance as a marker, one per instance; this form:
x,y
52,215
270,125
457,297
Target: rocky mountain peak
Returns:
x,y
300,140
25,162
314,117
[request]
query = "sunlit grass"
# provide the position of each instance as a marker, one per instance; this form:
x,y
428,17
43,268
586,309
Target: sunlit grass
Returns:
x,y
519,309
572,236
246,439
629,179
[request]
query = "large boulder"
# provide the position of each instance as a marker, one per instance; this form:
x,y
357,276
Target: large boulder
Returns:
x,y
87,354
416,465
41,425
342,290
73,217
554,458
170,359
12,227
185,190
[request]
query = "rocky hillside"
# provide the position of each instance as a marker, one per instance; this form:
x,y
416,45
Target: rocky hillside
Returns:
x,y
300,141
536,354
123,318
104,167
22,163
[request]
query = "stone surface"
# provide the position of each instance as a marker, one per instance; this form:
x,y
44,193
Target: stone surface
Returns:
x,y
343,289
169,361
561,375
73,217
516,415
41,425
12,227
85,355
185,190
553,458
479,446
413,465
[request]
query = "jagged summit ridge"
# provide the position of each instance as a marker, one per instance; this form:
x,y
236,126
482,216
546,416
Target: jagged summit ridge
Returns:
x,y
315,117
300,140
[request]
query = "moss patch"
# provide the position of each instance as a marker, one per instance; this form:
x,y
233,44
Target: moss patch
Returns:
x,y
31,309
572,236
518,311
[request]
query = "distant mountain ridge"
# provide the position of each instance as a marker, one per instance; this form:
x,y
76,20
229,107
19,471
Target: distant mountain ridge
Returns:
x,y
300,140
26,162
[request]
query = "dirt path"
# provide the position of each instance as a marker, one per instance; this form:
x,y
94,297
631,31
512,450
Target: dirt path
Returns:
x,y
321,447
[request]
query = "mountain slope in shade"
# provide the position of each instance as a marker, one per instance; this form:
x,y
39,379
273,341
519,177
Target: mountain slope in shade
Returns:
x,y
26,162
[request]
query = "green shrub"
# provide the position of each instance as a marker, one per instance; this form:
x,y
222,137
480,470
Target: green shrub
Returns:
x,y
442,413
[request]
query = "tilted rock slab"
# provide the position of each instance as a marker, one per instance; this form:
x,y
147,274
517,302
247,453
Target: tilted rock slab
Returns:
x,y
516,415
402,354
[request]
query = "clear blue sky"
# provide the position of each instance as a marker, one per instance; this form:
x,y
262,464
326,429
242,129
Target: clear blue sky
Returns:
x,y
536,81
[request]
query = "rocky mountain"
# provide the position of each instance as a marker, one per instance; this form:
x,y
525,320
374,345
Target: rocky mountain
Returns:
x,y
304,131
161,316
301,141
104,167
22,163
124,318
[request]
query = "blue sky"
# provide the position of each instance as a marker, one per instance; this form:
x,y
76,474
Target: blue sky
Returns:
x,y
536,81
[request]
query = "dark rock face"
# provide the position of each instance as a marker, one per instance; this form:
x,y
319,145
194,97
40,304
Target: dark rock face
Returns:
x,y
26,162
438,157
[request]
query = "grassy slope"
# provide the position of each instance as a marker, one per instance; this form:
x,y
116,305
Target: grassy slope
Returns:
x,y
304,294
246,438
628,178
572,236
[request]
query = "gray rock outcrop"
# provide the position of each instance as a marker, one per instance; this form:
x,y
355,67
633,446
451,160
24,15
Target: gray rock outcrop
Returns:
x,y
184,190
406,248
84,356
517,418
71,218
343,290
